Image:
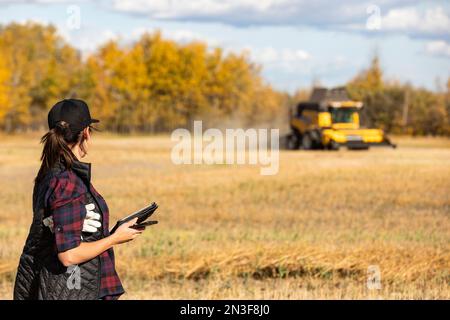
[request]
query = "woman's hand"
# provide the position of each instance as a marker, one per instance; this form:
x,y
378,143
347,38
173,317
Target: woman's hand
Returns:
x,y
125,233
89,250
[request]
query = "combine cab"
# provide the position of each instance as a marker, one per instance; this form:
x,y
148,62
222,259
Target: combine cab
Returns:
x,y
331,120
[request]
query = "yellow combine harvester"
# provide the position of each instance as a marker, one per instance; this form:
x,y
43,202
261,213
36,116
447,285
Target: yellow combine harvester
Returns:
x,y
330,120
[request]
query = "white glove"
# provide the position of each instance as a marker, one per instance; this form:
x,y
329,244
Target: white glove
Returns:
x,y
91,221
48,222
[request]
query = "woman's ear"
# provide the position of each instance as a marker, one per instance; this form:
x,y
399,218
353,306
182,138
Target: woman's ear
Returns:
x,y
87,134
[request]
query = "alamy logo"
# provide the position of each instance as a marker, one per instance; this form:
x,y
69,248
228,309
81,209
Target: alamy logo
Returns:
x,y
74,17
373,277
374,20
235,146
74,279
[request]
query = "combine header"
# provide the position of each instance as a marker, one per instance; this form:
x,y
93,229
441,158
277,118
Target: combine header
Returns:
x,y
330,120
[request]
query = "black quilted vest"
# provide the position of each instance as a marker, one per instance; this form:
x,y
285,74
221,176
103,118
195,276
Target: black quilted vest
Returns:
x,y
40,274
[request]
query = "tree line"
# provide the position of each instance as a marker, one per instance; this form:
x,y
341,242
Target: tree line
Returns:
x,y
156,85
400,108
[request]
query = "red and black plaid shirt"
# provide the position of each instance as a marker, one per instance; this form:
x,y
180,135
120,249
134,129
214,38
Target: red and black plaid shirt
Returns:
x,y
69,193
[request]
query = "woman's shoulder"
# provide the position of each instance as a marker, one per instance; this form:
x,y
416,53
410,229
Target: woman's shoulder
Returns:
x,y
63,186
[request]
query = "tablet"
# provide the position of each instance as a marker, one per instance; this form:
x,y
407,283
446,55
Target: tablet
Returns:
x,y
142,215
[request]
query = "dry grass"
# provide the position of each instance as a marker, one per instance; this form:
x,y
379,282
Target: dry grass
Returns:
x,y
226,232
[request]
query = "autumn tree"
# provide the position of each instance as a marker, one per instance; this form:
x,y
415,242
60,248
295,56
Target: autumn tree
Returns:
x,y
41,70
156,85
368,87
398,107
4,88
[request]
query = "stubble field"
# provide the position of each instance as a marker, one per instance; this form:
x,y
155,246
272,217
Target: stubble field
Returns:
x,y
311,231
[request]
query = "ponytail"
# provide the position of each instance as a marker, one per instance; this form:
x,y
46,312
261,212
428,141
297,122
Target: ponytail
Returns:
x,y
57,148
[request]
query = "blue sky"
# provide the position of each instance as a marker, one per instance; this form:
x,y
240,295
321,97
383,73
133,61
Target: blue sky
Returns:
x,y
296,41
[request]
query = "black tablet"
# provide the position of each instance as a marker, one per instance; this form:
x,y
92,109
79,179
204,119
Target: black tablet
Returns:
x,y
142,215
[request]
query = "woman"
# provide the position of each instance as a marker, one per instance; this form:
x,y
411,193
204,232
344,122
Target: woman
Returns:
x,y
68,253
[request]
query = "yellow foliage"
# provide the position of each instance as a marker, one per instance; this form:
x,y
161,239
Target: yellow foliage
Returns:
x,y
42,69
158,84
4,88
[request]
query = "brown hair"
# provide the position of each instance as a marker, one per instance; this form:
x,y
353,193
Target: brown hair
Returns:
x,y
57,147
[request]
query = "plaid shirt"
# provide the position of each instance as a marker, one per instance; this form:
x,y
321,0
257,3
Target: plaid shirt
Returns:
x,y
69,192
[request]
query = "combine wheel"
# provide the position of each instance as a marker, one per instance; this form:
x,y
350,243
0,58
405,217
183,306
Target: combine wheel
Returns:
x,y
307,143
293,142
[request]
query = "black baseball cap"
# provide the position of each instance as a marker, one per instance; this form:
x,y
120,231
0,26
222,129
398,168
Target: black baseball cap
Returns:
x,y
73,111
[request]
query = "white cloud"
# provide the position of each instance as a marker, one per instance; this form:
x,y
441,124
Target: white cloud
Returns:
x,y
265,12
430,19
410,20
280,59
438,48
170,9
396,15
274,56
